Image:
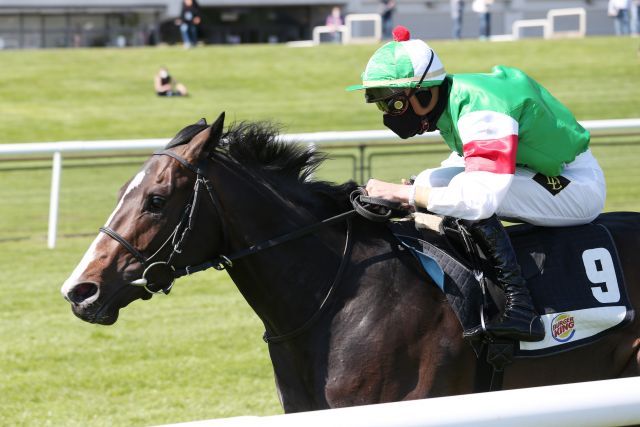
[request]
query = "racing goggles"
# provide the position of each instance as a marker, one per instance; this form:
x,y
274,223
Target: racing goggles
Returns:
x,y
393,100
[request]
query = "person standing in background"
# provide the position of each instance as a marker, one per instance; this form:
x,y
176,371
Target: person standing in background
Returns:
x,y
457,9
189,21
334,21
636,17
388,9
619,11
481,7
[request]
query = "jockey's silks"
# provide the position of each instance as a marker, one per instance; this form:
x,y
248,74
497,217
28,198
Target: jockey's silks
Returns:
x,y
500,119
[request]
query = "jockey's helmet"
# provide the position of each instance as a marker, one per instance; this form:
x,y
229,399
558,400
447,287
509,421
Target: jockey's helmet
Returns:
x,y
399,65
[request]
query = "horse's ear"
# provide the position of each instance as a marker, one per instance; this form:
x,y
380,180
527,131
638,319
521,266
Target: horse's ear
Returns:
x,y
202,145
216,132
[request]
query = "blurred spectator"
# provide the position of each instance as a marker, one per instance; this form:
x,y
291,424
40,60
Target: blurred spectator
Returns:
x,y
619,11
457,9
189,21
481,7
165,86
334,21
386,13
636,17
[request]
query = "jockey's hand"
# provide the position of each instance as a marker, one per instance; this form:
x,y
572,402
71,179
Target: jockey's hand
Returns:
x,y
389,191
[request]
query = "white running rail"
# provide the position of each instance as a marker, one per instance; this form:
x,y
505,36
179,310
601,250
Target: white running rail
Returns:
x,y
57,149
598,403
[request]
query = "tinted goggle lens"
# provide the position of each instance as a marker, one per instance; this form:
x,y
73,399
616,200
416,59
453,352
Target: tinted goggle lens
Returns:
x,y
395,105
380,93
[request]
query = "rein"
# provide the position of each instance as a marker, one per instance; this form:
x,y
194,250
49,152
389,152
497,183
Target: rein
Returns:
x,y
159,276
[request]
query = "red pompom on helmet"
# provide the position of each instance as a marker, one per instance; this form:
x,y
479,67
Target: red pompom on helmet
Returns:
x,y
401,34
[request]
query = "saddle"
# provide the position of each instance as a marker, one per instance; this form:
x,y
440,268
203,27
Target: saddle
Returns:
x,y
573,275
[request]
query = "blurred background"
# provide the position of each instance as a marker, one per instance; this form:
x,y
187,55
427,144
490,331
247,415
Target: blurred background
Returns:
x,y
75,23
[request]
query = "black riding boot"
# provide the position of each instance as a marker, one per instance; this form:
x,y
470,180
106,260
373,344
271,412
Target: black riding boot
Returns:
x,y
519,320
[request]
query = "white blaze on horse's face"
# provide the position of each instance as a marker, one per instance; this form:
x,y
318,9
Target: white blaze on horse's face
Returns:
x,y
91,253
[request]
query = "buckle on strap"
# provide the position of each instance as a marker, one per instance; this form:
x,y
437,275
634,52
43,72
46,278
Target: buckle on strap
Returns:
x,y
222,262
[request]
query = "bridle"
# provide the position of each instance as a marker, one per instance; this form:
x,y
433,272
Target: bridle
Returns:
x,y
159,276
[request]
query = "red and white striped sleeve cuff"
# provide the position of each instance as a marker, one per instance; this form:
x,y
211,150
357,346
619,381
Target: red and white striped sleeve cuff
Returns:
x,y
490,141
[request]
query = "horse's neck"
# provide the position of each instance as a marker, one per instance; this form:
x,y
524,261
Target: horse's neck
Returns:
x,y
284,284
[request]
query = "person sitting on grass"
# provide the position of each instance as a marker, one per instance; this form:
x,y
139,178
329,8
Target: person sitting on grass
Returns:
x,y
164,85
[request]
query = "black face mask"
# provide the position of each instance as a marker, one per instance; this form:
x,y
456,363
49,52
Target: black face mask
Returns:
x,y
407,124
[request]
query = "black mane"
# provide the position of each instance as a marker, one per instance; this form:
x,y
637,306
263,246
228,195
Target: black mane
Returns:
x,y
257,147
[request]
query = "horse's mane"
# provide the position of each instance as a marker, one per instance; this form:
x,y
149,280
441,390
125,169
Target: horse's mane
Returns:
x,y
257,145
258,148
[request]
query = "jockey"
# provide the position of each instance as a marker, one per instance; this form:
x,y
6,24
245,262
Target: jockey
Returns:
x,y
518,154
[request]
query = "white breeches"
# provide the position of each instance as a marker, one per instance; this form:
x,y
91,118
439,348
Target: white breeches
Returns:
x,y
526,200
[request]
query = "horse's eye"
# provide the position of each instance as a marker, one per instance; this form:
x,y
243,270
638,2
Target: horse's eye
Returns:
x,y
156,203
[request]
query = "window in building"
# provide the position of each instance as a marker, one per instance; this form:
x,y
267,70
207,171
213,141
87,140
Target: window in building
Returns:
x,y
88,30
9,31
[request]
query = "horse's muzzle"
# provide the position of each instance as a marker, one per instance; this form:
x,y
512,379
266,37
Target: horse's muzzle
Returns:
x,y
87,305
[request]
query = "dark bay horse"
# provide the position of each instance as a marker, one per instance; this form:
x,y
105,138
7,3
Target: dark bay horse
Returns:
x,y
351,318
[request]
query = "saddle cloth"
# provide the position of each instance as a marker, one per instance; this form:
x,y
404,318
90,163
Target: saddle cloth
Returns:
x,y
573,274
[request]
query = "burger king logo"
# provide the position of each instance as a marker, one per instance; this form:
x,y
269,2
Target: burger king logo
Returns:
x,y
563,327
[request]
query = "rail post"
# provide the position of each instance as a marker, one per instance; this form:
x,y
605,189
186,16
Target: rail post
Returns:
x,y
56,171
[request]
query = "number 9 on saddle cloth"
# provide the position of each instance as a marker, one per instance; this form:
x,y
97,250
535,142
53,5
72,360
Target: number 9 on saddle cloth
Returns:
x,y
573,274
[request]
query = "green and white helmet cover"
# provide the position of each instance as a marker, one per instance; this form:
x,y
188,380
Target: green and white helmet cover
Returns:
x,y
400,64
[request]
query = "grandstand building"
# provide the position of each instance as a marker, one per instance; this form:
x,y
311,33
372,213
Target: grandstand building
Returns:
x,y
76,23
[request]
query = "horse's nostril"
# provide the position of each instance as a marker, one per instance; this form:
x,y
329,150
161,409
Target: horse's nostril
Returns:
x,y
82,291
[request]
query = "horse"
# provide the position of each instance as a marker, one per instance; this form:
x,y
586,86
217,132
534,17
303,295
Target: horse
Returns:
x,y
350,317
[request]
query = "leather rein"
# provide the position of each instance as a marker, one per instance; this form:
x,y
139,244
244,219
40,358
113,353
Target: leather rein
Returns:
x,y
160,275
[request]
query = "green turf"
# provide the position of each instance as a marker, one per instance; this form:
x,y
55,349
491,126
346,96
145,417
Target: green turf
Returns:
x,y
198,353
105,94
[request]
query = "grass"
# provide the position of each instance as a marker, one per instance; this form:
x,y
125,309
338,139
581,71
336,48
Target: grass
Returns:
x,y
198,354
107,94
169,360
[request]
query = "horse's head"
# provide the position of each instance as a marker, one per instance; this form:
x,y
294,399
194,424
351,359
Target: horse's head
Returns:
x,y
148,235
